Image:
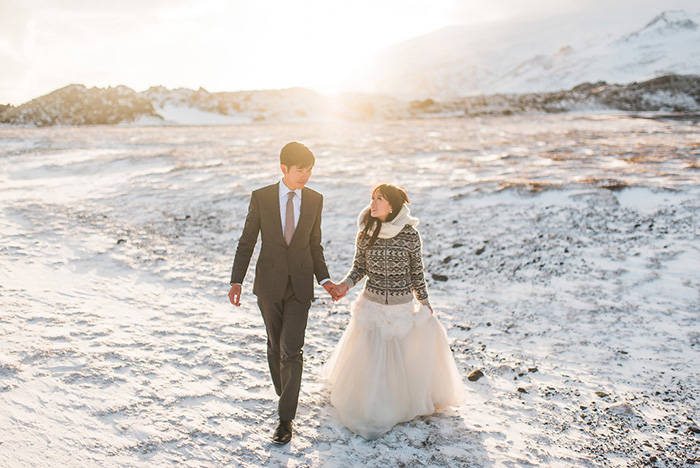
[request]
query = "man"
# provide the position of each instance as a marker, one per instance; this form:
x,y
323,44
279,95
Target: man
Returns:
x,y
288,215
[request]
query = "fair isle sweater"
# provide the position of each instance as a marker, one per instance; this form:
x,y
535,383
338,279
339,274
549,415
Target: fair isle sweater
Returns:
x,y
393,266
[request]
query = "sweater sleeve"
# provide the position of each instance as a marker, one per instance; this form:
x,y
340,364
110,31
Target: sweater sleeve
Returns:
x,y
359,265
420,288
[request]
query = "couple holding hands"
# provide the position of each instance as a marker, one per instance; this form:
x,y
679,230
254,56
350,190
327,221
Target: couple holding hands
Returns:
x,y
393,362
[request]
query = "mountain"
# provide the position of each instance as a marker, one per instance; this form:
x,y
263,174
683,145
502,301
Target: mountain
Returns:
x,y
669,93
547,56
554,65
78,105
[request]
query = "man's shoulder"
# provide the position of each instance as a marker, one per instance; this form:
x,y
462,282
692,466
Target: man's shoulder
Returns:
x,y
306,191
272,188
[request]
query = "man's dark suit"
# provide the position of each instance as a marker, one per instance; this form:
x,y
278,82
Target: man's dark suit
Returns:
x,y
283,282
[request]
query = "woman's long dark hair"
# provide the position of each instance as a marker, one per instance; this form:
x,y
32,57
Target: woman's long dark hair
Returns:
x,y
397,197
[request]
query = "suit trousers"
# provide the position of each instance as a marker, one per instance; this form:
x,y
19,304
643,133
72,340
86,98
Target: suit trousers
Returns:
x,y
285,322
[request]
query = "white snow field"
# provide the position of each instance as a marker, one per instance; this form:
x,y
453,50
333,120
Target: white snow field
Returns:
x,y
565,249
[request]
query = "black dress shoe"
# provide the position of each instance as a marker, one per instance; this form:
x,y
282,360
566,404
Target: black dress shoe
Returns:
x,y
283,433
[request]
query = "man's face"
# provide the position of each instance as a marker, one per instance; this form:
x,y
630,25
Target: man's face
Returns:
x,y
296,177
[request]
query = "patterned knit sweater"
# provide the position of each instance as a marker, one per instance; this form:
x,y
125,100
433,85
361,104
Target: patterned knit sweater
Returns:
x,y
394,268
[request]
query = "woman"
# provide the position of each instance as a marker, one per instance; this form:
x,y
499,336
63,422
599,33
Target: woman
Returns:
x,y
393,362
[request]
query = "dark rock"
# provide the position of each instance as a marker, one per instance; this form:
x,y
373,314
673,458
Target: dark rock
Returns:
x,y
447,259
475,375
456,244
601,394
121,241
480,250
427,105
694,430
532,369
522,390
78,105
437,277
4,107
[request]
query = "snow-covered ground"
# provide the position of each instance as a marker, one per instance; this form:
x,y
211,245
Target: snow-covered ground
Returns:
x,y
569,244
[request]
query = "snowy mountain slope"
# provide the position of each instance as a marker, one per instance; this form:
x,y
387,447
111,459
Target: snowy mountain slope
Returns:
x,y
77,105
546,56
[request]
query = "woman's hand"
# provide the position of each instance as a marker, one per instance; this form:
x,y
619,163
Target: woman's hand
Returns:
x,y
339,291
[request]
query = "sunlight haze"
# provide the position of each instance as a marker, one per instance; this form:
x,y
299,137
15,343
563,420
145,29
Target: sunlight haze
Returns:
x,y
228,45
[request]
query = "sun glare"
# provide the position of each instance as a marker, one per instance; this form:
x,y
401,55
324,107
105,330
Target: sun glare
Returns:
x,y
316,44
220,45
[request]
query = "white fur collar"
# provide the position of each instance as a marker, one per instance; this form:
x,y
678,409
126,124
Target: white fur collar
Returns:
x,y
393,227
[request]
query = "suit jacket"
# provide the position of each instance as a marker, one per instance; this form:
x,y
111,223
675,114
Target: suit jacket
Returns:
x,y
301,259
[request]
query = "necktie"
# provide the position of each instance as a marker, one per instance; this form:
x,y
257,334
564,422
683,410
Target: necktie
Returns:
x,y
289,219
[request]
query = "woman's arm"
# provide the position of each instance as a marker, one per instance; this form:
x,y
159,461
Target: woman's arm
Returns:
x,y
420,289
359,265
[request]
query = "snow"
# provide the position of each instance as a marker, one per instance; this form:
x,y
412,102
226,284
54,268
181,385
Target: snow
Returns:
x,y
570,243
186,115
548,55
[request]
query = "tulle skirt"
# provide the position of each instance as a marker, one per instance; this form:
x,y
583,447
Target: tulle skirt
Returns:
x,y
392,363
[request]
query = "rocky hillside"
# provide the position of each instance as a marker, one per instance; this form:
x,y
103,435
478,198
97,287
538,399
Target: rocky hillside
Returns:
x,y
78,105
671,93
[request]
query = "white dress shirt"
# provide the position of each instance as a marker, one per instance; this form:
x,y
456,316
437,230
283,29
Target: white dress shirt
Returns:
x,y
284,196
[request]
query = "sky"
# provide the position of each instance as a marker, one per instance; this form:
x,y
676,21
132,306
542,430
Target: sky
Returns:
x,y
230,45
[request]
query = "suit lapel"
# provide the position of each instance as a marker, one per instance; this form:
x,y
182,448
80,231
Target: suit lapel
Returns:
x,y
274,200
306,213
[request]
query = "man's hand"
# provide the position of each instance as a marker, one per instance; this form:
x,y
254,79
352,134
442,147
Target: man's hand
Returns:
x,y
339,291
329,286
234,294
333,290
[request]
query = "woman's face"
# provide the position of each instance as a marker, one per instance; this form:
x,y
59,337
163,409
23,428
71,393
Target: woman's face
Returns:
x,y
380,207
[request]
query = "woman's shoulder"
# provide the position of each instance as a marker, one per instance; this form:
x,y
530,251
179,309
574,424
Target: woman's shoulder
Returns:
x,y
410,236
410,231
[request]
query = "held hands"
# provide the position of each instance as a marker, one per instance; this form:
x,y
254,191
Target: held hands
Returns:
x,y
337,291
340,291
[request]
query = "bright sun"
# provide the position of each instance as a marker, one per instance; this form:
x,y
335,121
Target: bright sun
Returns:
x,y
220,45
317,44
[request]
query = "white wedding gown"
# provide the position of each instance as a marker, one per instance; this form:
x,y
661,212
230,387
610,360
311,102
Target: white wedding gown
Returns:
x,y
393,363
